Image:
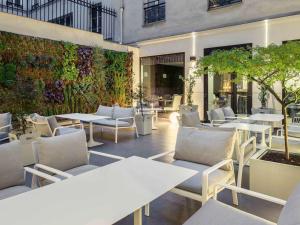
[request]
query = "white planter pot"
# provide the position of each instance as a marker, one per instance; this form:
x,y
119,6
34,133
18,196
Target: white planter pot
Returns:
x,y
144,124
274,179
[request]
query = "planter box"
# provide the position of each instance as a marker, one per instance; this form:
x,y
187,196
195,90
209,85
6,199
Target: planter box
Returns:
x,y
274,179
144,124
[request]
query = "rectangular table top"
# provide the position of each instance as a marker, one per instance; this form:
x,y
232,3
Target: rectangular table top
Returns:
x,y
247,126
267,117
82,117
99,197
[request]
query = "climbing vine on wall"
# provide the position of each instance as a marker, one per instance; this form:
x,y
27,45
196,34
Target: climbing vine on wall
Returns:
x,y
51,77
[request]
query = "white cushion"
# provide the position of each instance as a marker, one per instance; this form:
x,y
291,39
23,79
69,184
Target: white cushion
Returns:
x,y
217,114
111,123
190,119
13,191
120,112
206,146
228,112
105,111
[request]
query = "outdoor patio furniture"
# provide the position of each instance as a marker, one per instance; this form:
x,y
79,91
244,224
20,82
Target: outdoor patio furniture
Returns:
x,y
103,196
218,213
191,119
118,118
49,127
176,102
5,126
208,151
262,111
12,172
65,155
223,115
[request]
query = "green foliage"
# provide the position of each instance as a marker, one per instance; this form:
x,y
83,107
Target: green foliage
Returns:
x,y
8,74
263,65
190,83
70,72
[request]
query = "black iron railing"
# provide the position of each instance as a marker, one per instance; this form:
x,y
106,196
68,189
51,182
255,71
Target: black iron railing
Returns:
x,y
212,4
154,11
79,14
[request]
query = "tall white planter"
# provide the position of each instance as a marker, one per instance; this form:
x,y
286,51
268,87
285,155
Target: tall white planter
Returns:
x,y
274,179
144,124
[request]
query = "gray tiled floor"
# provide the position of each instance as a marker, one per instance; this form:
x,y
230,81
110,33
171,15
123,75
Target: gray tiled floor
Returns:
x,y
170,209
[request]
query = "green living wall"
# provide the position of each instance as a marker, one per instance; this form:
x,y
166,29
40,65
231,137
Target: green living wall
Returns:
x,y
51,77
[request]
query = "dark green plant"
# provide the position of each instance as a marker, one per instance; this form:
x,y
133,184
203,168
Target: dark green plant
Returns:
x,y
70,72
8,74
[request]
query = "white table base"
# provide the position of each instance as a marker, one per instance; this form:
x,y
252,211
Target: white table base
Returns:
x,y
92,143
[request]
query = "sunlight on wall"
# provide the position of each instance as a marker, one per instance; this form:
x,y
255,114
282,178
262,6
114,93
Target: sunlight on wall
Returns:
x,y
266,33
193,44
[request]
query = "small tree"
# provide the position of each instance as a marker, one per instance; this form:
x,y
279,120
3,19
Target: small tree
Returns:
x,y
189,83
264,65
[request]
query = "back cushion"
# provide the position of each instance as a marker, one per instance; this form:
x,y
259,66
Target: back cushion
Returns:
x,y
206,146
217,114
191,119
105,111
228,112
5,119
11,165
120,112
290,215
62,152
52,122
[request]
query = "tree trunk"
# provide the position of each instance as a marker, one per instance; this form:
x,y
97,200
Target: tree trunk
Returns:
x,y
287,154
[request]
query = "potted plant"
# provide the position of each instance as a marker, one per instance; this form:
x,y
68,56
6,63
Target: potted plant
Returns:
x,y
277,171
143,119
189,84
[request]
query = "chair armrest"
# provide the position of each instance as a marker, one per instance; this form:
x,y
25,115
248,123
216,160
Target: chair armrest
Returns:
x,y
53,170
243,147
161,155
107,155
67,126
7,126
251,193
41,174
210,170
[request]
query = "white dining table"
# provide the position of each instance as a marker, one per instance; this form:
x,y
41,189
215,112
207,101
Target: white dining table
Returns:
x,y
255,128
100,197
266,117
88,118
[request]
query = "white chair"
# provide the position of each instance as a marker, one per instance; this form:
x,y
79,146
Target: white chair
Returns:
x,y
220,116
5,126
120,118
12,172
65,155
217,213
49,127
176,102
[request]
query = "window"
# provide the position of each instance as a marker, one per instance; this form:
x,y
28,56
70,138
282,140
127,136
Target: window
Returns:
x,y
14,3
96,18
213,4
154,11
66,20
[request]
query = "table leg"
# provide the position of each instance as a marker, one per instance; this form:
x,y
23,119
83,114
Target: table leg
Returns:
x,y
153,123
263,144
138,217
92,142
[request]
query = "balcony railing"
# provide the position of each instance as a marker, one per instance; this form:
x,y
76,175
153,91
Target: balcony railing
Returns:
x,y
154,11
212,4
79,14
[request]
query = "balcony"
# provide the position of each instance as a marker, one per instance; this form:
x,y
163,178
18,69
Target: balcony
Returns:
x,y
154,11
214,4
79,14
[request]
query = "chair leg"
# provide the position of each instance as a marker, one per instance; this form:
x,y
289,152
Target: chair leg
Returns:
x,y
147,210
116,135
235,199
136,132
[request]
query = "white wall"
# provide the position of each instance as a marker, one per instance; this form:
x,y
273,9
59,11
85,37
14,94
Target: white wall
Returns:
x,y
193,44
183,16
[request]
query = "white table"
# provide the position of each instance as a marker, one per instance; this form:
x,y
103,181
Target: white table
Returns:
x,y
266,117
88,118
99,197
256,128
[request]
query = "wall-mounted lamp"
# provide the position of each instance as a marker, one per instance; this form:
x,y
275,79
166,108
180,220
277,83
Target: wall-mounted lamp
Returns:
x,y
193,58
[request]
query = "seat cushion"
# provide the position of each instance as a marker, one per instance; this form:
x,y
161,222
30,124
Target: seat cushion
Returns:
x,y
190,119
105,111
11,165
228,112
12,191
206,146
62,152
290,214
3,135
112,123
217,213
74,171
194,184
217,114
66,130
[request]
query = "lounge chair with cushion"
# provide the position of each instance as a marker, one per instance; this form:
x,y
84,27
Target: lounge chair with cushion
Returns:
x,y
120,118
218,213
12,172
5,126
65,155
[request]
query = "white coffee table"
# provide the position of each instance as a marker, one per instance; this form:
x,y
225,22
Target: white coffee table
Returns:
x,y
88,118
256,128
99,197
266,117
